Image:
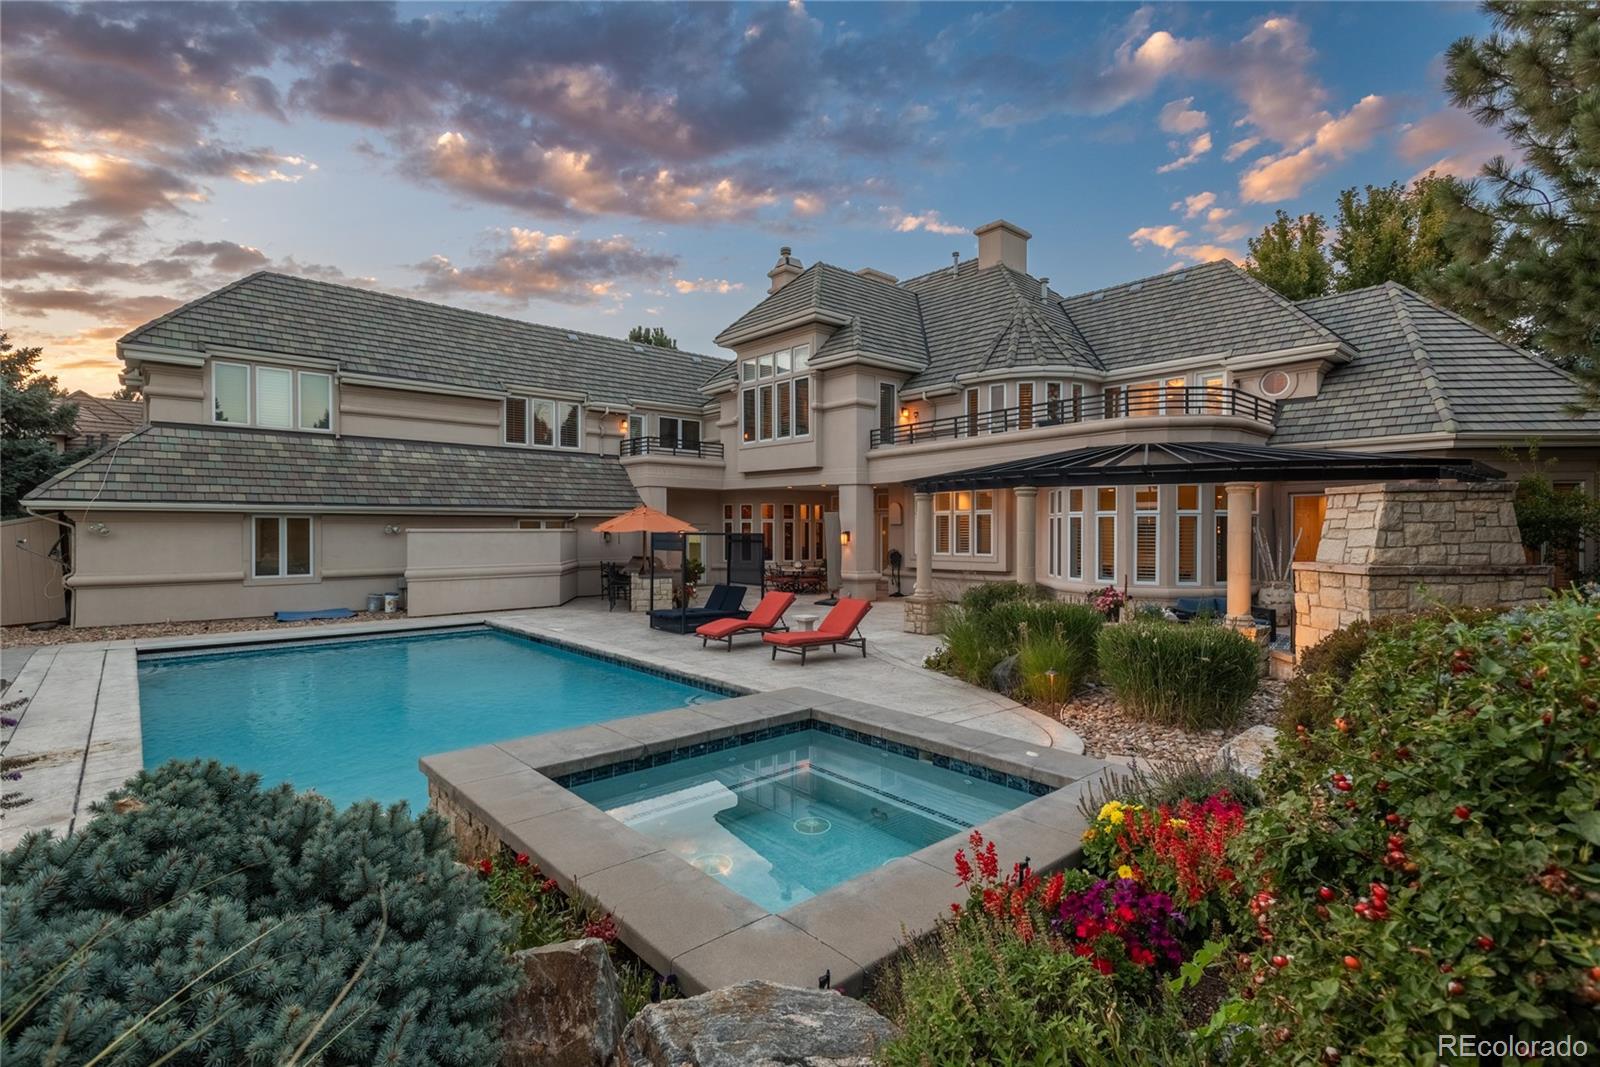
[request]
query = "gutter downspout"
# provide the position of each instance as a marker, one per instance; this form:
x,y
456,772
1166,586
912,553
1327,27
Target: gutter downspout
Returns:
x,y
66,570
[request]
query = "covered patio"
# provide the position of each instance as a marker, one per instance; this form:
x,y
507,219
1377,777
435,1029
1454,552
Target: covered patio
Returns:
x,y
1237,468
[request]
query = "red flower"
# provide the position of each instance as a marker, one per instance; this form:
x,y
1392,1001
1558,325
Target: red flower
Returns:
x,y
1083,950
1141,956
1103,965
548,885
1053,890
486,866
955,909
1125,913
963,867
522,859
988,862
605,928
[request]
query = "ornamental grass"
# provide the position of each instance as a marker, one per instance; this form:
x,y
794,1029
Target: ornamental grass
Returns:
x,y
1195,675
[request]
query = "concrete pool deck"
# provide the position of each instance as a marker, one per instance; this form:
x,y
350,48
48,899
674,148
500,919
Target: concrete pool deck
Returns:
x,y
79,737
679,919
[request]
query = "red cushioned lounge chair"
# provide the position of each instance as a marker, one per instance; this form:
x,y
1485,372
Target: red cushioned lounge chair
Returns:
x,y
841,626
767,617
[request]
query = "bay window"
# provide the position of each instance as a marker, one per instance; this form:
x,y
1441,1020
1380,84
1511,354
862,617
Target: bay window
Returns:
x,y
775,395
281,546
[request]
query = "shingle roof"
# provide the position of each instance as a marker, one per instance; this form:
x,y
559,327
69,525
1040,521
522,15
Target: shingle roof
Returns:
x,y
1420,369
103,415
1210,309
883,317
257,468
391,336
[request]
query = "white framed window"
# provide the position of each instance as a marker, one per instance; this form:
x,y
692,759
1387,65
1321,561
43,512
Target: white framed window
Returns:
x,y
1188,571
1146,534
1055,524
1075,498
1024,405
775,401
638,426
1105,520
546,423
998,417
963,523
281,546
1215,397
230,392
274,397
315,399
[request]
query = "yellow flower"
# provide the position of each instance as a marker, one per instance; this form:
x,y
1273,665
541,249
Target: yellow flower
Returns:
x,y
1088,835
1110,808
1116,817
1125,871
1179,824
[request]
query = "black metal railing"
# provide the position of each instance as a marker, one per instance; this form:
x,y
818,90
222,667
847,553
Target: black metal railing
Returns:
x,y
1123,404
669,446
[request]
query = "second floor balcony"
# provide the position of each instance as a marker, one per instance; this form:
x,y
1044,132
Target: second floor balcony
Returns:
x,y
669,446
1195,400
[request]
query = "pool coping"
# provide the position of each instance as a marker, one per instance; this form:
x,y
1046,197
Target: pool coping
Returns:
x,y
682,921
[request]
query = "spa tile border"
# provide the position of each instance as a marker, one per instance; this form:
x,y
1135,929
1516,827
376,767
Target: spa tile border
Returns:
x,y
680,920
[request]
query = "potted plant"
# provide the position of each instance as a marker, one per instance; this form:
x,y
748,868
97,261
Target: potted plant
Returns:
x,y
693,572
1277,588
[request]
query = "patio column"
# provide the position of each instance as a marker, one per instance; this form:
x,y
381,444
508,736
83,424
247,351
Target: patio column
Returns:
x,y
922,534
1241,502
858,577
1027,533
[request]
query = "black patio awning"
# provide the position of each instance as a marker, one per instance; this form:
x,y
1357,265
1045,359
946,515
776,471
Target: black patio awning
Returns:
x,y
1169,464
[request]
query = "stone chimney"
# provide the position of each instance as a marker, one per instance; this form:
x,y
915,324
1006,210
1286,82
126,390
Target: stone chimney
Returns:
x,y
786,271
880,275
1002,243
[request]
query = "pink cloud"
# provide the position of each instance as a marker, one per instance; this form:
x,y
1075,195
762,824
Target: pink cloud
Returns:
x,y
1451,142
1197,148
1280,178
1179,117
1164,237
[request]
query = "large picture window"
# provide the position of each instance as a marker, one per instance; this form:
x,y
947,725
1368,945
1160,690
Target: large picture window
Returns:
x,y
775,396
282,546
277,398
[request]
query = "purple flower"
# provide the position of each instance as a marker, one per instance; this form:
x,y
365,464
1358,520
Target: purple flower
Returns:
x,y
7,721
12,776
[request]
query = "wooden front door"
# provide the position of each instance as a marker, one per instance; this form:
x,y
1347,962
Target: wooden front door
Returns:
x,y
1306,535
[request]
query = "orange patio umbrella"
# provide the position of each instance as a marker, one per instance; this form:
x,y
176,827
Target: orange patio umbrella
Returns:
x,y
644,520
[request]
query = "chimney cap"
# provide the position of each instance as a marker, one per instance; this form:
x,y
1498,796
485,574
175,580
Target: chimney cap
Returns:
x,y
1002,224
785,250
880,275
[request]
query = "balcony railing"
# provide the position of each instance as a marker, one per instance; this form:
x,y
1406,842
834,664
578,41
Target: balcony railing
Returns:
x,y
1126,404
669,446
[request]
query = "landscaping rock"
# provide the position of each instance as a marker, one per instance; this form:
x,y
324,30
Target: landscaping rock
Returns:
x,y
1005,678
568,1012
1249,751
756,1024
1108,732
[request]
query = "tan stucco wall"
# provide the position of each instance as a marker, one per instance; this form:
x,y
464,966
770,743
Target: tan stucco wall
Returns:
x,y
175,394
461,570
365,411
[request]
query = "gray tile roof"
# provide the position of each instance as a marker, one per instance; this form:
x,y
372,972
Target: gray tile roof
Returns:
x,y
883,318
1420,369
376,333
1212,308
256,468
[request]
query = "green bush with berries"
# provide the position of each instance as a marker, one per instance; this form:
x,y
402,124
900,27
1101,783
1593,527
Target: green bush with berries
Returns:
x,y
1429,861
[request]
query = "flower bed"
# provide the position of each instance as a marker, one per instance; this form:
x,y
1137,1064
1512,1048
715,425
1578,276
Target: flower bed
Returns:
x,y
1422,864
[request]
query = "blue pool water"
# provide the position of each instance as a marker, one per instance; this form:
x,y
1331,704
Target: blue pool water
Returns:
x,y
781,820
350,718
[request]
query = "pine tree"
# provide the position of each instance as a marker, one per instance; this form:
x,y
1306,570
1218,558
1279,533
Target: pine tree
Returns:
x,y
250,910
1289,256
31,409
648,335
1524,240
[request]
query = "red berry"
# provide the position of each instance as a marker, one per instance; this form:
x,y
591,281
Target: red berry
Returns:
x,y
1548,718
1325,893
1342,785
1594,973
1445,968
1402,753
1486,943
1322,911
1455,988
1280,961
1352,964
1463,812
1382,786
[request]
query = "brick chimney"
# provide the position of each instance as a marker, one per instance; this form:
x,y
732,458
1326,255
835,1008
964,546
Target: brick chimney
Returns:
x,y
1002,243
786,271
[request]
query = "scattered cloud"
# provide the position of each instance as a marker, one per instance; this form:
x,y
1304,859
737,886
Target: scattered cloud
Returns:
x,y
225,256
706,285
1240,147
1194,205
928,221
522,265
1179,117
1451,142
1274,179
1206,253
1197,148
1164,237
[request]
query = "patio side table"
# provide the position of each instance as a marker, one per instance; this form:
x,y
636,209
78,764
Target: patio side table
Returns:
x,y
804,622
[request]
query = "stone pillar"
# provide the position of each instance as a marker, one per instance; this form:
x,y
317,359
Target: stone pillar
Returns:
x,y
922,534
858,573
1241,502
922,606
1027,533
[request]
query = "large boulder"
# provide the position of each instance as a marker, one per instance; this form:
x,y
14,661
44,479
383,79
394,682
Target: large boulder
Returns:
x,y
756,1024
568,1012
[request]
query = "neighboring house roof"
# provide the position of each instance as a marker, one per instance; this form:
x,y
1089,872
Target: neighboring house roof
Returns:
x,y
390,336
1421,369
212,467
102,415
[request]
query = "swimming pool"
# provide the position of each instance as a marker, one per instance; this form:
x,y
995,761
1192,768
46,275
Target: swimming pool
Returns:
x,y
782,819
350,717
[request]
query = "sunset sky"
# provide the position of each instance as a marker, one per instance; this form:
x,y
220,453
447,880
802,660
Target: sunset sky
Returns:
x,y
598,167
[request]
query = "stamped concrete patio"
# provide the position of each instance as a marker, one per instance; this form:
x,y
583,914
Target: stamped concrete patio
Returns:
x,y
77,705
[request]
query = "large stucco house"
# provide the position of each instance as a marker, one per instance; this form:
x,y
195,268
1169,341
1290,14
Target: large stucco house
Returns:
x,y
307,443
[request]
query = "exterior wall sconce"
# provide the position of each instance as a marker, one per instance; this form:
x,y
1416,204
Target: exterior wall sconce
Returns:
x,y
391,529
607,536
99,529
622,427
844,537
